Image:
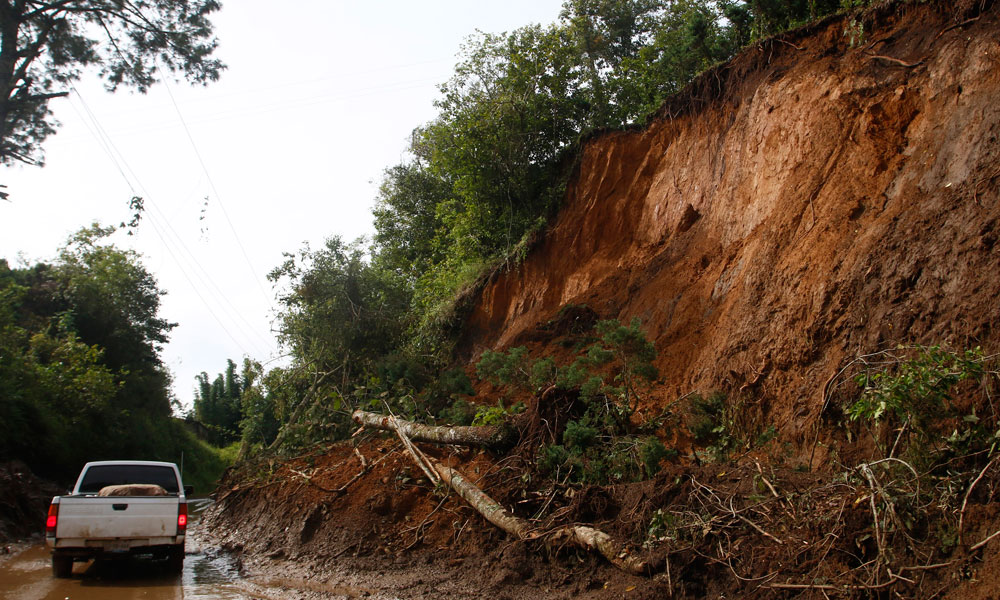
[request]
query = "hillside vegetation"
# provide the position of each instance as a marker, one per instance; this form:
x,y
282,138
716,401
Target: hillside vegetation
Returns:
x,y
377,320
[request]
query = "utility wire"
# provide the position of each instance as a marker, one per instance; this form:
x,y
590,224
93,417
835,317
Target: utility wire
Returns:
x,y
119,160
302,102
218,196
138,12
207,282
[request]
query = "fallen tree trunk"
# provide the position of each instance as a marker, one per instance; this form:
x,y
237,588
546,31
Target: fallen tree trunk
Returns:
x,y
492,436
582,536
589,538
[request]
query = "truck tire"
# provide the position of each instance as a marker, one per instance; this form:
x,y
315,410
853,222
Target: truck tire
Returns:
x,y
62,566
175,560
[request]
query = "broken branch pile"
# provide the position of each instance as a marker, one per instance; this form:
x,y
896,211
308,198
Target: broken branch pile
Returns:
x,y
582,536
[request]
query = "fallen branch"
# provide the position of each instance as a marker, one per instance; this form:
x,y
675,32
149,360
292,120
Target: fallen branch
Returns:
x,y
759,529
825,586
418,457
498,436
365,467
984,542
579,535
965,501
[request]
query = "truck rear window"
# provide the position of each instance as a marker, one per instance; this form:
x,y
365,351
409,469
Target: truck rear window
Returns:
x,y
100,476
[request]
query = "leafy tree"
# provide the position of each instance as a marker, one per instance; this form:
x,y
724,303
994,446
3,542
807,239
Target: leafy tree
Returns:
x,y
606,34
46,44
505,120
342,313
260,421
80,367
407,220
219,404
54,390
113,302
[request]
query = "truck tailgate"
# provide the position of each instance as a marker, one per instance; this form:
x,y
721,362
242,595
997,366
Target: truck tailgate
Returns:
x,y
93,517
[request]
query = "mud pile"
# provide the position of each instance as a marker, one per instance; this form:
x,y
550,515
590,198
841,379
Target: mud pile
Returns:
x,y
825,195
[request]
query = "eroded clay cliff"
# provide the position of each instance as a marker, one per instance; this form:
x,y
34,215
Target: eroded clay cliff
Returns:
x,y
811,201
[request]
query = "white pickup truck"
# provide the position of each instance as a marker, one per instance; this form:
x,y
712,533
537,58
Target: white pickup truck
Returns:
x,y
119,508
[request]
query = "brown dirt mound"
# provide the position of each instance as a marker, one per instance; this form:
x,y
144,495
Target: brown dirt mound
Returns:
x,y
753,530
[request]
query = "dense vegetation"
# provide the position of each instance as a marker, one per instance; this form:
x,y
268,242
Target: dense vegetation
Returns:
x,y
371,323
80,372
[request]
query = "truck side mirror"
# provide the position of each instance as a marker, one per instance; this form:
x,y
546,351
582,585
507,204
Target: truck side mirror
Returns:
x,y
189,490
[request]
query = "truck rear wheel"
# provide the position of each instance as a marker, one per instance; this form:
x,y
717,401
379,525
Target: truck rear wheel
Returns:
x,y
175,560
62,566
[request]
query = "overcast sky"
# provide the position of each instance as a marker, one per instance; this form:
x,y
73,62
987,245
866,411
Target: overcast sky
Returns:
x,y
288,147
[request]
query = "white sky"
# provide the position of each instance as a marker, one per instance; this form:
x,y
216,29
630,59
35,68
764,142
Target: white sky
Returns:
x,y
319,98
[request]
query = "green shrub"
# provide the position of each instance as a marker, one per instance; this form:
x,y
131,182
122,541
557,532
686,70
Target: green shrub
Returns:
x,y
651,452
707,415
496,415
578,437
459,413
504,368
454,381
915,397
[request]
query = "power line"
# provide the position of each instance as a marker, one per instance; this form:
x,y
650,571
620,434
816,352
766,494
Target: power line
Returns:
x,y
283,105
218,196
207,282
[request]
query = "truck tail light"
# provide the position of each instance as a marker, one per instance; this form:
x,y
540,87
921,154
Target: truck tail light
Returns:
x,y
182,518
52,520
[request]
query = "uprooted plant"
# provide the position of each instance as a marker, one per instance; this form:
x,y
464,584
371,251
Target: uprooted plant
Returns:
x,y
928,404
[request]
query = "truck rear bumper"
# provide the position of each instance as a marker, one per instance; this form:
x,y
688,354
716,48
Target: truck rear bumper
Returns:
x,y
84,548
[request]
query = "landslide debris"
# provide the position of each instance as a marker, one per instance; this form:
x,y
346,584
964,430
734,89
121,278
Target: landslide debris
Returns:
x,y
784,225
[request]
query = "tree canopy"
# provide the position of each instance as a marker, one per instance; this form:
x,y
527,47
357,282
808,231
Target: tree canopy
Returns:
x,y
45,45
80,366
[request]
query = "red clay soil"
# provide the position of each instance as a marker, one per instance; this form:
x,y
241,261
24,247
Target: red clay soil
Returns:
x,y
807,203
811,202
